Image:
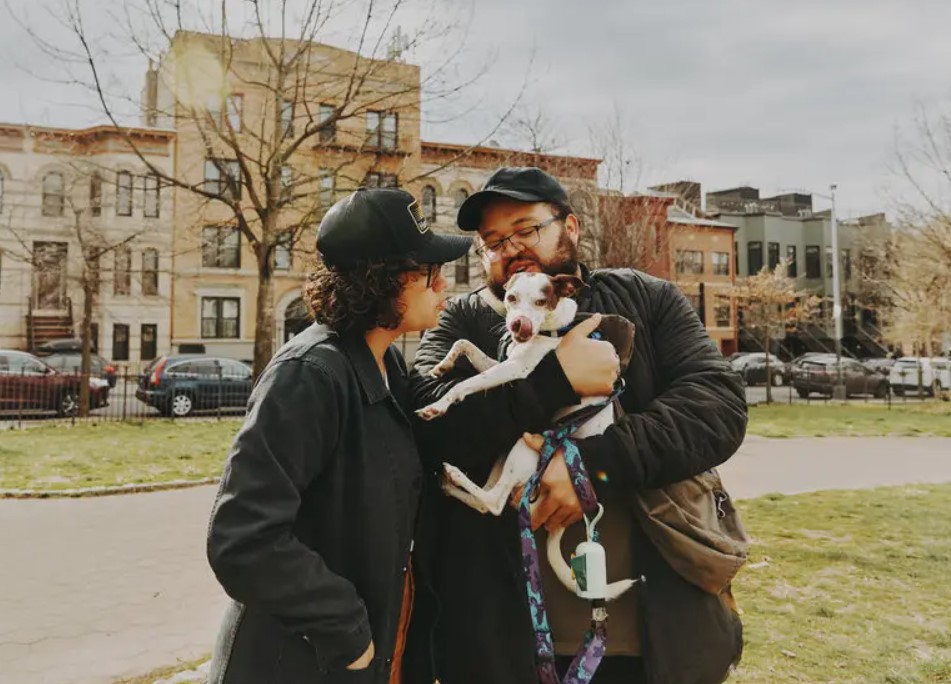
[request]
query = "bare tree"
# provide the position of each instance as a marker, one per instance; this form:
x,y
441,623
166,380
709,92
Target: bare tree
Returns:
x,y
771,305
254,90
97,244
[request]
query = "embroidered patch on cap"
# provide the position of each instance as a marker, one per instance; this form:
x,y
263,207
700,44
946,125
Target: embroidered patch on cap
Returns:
x,y
422,225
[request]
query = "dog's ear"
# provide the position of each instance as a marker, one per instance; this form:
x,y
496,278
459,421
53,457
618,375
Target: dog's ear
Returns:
x,y
567,285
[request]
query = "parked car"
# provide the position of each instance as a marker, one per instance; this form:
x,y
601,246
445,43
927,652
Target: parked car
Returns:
x,y
752,368
71,362
818,374
177,385
883,366
934,371
28,384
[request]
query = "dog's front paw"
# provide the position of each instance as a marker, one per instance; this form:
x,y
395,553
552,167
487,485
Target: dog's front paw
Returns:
x,y
434,410
441,368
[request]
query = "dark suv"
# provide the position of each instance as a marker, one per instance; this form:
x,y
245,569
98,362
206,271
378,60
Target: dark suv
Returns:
x,y
179,385
28,384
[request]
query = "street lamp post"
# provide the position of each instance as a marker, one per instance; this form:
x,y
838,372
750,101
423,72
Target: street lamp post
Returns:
x,y
838,392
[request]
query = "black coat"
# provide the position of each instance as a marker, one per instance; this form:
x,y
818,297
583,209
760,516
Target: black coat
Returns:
x,y
685,413
313,523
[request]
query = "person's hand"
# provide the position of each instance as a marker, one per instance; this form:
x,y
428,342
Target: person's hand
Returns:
x,y
558,504
591,366
363,662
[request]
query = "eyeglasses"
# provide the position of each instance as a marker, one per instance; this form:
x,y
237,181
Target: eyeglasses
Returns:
x,y
524,237
432,273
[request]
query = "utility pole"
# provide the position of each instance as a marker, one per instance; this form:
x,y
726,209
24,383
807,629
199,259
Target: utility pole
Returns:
x,y
838,392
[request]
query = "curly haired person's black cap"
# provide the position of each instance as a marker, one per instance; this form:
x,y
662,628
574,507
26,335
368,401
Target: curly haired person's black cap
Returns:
x,y
522,183
381,224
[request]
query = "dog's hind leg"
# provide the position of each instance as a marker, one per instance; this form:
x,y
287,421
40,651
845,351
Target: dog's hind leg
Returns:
x,y
465,497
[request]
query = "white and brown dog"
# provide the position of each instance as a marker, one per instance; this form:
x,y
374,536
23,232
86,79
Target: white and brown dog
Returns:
x,y
537,306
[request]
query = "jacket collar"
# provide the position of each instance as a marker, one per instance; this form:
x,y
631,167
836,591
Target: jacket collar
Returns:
x,y
365,368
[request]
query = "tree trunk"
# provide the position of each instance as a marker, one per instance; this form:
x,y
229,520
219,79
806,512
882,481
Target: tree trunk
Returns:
x,y
85,365
264,324
769,378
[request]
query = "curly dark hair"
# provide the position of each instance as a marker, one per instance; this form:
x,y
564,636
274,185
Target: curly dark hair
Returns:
x,y
357,299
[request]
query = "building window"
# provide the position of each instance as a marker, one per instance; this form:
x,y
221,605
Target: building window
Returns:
x,y
287,118
53,194
223,178
462,270
221,247
375,179
382,130
95,194
287,180
847,264
328,128
120,342
150,272
123,193
792,268
220,317
689,261
697,303
283,250
328,183
235,112
772,252
721,263
429,203
722,312
152,197
93,267
754,258
813,266
122,275
829,262
459,196
94,337
148,349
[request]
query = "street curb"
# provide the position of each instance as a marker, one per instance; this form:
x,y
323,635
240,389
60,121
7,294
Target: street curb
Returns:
x,y
135,488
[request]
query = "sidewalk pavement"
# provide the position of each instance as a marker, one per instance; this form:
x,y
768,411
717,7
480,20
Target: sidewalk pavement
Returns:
x,y
100,588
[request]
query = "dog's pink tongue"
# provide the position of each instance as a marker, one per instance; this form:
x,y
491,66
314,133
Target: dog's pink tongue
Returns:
x,y
521,328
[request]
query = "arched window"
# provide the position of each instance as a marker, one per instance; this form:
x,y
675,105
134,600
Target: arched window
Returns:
x,y
429,203
53,196
459,196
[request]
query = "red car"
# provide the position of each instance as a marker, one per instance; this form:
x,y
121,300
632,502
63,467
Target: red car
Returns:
x,y
28,384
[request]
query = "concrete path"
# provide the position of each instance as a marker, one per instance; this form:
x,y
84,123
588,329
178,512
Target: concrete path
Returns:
x,y
95,589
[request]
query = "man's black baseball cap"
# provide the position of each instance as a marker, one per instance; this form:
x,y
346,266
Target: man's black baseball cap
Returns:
x,y
522,183
381,224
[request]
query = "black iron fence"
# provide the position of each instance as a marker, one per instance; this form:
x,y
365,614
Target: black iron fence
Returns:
x,y
125,395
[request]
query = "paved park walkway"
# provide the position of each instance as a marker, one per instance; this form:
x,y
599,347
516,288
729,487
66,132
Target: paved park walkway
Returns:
x,y
95,589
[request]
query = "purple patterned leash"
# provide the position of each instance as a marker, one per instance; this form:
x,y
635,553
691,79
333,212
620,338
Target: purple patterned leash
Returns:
x,y
586,662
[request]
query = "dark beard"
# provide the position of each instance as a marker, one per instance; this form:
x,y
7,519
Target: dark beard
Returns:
x,y
564,262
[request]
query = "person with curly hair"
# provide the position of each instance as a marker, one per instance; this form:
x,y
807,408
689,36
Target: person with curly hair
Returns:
x,y
311,534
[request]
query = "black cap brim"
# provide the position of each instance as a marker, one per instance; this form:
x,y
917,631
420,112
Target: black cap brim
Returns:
x,y
441,249
470,213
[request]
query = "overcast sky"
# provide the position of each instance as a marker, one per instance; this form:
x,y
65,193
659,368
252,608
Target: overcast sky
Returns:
x,y
773,94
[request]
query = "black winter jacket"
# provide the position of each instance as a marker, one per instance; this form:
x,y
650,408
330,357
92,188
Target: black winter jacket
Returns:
x,y
313,523
685,412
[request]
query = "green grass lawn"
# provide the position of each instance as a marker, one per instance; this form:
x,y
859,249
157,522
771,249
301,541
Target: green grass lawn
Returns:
x,y
841,587
87,454
929,418
848,587
90,455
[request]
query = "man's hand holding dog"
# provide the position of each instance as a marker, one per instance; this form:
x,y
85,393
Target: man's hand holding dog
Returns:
x,y
558,504
591,366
